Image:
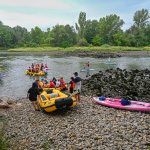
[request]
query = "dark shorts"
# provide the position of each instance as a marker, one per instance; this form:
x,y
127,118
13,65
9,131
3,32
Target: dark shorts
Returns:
x,y
40,90
33,99
71,90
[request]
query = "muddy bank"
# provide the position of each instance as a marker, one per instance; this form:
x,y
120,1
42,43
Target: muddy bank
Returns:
x,y
94,54
86,126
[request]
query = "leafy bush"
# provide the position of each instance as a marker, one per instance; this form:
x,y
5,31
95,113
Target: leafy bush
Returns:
x,y
65,44
83,42
105,45
97,41
30,44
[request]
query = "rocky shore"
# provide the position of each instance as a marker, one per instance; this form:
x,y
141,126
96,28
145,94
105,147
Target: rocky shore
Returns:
x,y
86,126
118,83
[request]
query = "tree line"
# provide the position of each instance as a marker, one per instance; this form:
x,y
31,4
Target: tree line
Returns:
x,y
85,33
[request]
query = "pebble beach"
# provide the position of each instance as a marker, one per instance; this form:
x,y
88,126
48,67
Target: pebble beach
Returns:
x,y
86,126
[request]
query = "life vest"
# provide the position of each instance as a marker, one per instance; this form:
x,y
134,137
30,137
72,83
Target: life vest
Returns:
x,y
45,65
72,85
33,70
52,85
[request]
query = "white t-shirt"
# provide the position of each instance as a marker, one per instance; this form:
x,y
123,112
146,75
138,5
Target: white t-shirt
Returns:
x,y
57,83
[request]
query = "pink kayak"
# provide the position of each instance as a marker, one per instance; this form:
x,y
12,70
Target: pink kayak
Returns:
x,y
135,105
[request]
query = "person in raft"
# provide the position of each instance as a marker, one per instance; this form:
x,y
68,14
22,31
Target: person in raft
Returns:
x,y
32,94
45,83
37,70
33,70
71,85
77,86
62,84
41,85
52,85
32,66
57,83
29,69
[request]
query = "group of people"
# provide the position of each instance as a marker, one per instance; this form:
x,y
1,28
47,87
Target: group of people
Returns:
x,y
38,87
37,67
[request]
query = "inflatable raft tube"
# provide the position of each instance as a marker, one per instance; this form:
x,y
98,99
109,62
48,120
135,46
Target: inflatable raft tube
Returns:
x,y
49,104
56,88
40,73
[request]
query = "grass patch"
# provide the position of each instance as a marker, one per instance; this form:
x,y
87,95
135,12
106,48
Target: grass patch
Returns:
x,y
47,144
93,48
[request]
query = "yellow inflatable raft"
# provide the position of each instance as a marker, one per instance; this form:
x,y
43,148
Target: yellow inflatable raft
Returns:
x,y
40,73
56,88
51,100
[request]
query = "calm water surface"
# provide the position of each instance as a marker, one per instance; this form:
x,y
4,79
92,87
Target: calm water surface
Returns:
x,y
16,84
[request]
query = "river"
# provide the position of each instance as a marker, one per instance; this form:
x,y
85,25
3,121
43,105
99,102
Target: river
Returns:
x,y
16,84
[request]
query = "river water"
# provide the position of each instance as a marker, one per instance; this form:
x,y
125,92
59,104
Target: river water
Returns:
x,y
16,84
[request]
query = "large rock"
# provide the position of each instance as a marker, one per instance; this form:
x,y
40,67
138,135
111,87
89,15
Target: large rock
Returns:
x,y
4,105
6,102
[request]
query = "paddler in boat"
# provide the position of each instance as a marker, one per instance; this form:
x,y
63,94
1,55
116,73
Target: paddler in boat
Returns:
x,y
29,69
62,84
45,65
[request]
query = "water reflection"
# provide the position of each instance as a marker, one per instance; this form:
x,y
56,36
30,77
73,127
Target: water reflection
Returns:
x,y
16,84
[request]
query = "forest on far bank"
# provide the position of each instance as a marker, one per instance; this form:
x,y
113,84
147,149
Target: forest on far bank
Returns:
x,y
105,31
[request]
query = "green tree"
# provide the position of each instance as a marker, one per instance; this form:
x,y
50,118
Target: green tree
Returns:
x,y
71,35
97,41
81,24
90,30
108,26
7,37
37,35
140,18
58,35
22,35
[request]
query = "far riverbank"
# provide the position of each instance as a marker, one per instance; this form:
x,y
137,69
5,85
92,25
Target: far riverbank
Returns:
x,y
82,53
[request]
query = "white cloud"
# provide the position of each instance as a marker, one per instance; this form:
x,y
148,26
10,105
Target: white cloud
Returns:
x,y
53,4
30,21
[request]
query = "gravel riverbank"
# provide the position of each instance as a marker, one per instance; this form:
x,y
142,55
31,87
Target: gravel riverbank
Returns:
x,y
86,126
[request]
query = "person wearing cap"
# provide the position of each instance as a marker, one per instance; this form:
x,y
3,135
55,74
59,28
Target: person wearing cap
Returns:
x,y
71,85
62,84
41,85
77,86
32,95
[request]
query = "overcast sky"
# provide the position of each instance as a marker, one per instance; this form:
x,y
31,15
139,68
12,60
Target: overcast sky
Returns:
x,y
47,13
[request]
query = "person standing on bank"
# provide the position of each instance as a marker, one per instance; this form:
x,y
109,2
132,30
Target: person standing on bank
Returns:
x,y
77,86
32,95
71,85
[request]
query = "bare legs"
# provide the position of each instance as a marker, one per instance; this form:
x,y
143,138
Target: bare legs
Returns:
x,y
77,96
35,103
